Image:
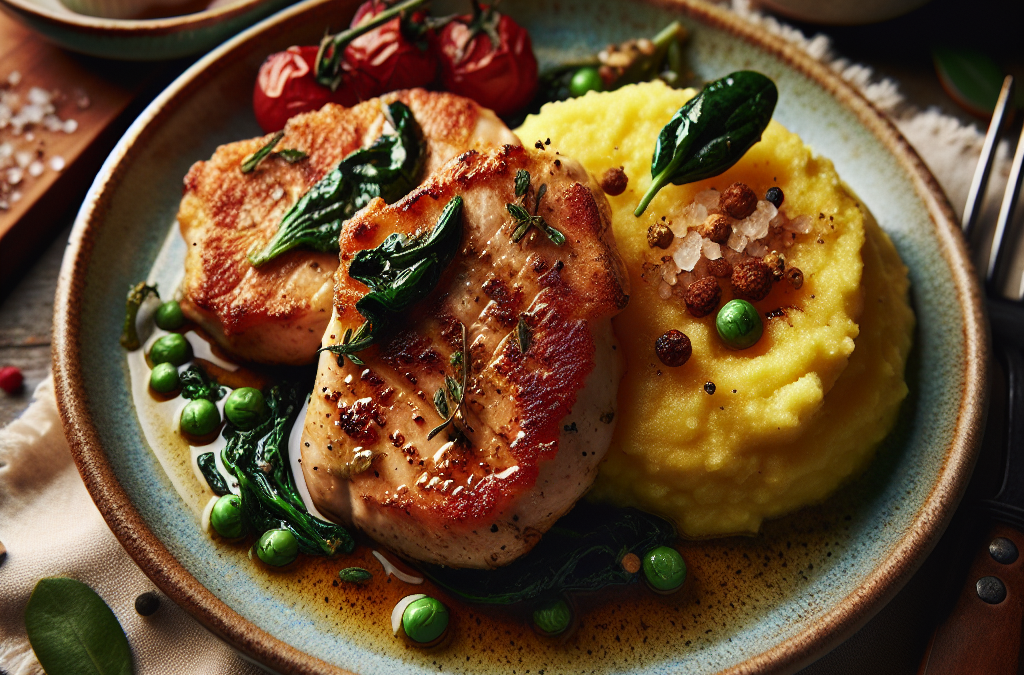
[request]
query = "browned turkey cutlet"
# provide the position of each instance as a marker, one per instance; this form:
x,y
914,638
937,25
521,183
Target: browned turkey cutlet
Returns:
x,y
541,418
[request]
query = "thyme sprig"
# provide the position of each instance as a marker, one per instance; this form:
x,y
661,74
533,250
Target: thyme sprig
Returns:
x,y
456,391
290,155
523,220
137,294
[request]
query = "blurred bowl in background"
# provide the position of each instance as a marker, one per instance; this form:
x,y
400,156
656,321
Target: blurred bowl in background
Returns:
x,y
103,27
842,12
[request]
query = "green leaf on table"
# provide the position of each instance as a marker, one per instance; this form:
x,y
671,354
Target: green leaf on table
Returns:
x,y
73,632
971,78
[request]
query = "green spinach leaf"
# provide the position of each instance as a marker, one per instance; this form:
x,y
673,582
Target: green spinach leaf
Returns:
x,y
389,169
355,575
258,459
208,466
195,384
712,131
73,632
399,273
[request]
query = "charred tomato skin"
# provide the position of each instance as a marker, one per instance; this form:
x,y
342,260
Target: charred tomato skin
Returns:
x,y
286,86
502,76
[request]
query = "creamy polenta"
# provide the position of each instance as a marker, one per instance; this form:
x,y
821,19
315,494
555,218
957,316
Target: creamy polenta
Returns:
x,y
791,417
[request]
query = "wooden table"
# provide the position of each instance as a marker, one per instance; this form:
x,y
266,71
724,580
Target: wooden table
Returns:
x,y
892,642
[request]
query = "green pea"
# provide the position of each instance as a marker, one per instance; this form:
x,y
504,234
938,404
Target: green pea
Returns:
x,y
169,316
226,517
553,618
163,378
664,569
425,620
739,324
584,80
199,417
172,348
245,407
277,547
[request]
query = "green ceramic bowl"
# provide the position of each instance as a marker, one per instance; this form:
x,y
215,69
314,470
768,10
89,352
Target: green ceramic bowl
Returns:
x,y
770,603
139,40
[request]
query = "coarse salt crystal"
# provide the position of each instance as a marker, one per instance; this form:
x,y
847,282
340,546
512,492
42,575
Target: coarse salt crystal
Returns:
x,y
6,150
688,253
712,250
38,96
669,272
52,123
14,79
70,126
15,196
36,168
757,249
14,176
277,193
707,198
664,291
800,225
737,241
57,163
23,158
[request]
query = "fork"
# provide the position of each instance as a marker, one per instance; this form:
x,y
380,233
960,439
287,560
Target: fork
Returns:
x,y
982,634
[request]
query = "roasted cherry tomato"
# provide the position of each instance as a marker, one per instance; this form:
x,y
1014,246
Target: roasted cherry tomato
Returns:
x,y
393,56
489,58
286,87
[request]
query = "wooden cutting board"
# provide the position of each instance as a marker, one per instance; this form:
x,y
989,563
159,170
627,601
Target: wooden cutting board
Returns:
x,y
102,97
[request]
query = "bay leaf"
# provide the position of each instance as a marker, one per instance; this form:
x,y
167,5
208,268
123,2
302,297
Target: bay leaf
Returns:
x,y
73,632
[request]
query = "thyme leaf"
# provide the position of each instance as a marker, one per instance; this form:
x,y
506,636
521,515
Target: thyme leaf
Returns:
x,y
522,182
458,393
522,218
250,163
291,155
441,403
524,336
355,575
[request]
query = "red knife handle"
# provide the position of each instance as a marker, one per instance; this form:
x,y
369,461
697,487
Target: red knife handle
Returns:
x,y
982,635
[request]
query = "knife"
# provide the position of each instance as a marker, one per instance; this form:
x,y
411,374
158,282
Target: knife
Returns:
x,y
982,634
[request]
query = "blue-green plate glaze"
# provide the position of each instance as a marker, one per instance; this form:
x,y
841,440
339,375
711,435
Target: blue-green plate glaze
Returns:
x,y
770,603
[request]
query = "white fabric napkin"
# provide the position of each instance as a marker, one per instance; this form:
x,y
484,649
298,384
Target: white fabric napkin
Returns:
x,y
51,527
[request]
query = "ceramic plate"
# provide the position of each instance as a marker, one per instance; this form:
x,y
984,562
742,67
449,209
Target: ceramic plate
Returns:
x,y
770,603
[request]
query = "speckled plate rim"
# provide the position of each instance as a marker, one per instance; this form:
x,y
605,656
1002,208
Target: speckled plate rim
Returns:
x,y
834,626
124,27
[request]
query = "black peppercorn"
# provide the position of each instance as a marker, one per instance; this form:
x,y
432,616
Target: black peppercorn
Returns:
x,y
147,603
775,196
673,348
709,388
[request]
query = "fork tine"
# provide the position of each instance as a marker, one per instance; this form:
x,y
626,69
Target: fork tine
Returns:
x,y
980,180
1000,252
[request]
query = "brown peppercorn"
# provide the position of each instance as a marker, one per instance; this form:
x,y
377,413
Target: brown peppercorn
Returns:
x,y
751,279
720,267
738,200
795,277
776,262
659,235
673,348
614,181
702,296
716,228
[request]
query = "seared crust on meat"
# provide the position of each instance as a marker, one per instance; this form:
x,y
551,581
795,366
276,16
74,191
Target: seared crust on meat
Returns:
x,y
277,313
541,421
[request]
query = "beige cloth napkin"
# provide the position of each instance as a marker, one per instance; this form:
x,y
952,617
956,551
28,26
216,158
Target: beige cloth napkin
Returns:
x,y
51,527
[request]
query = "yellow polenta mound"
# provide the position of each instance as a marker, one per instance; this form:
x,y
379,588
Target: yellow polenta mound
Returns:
x,y
795,415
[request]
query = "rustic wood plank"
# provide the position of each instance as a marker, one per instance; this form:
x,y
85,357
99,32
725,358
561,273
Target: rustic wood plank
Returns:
x,y
110,88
